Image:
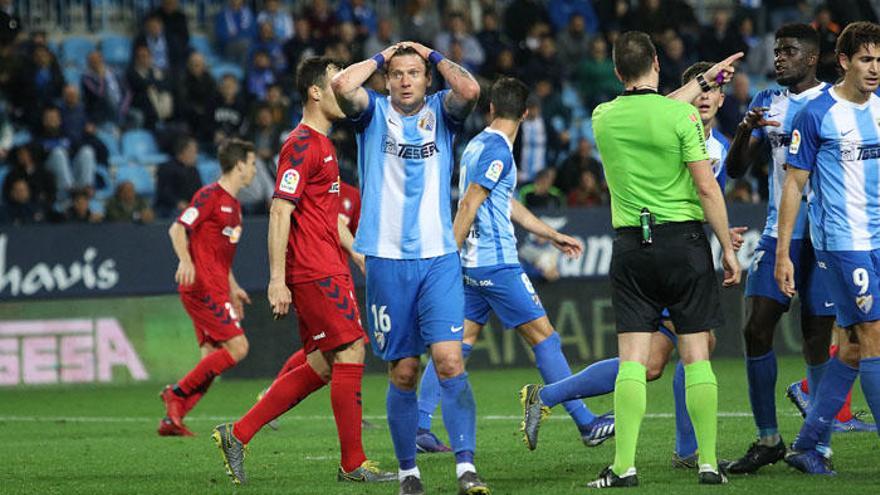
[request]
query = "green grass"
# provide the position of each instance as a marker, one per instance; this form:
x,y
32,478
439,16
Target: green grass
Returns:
x,y
54,440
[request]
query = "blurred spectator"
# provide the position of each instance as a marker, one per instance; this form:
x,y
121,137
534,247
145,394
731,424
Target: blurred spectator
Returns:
x,y
279,107
167,53
563,11
650,17
266,137
533,143
151,95
572,43
37,83
529,48
76,126
322,20
491,40
617,16
673,62
828,31
268,43
569,173
20,207
106,97
505,65
302,45
340,51
260,76
420,21
58,150
178,179
127,206
10,24
541,195
557,120
736,104
545,65
384,37
521,16
275,14
26,166
228,111
587,193
264,133
79,211
721,39
197,95
174,20
741,192
6,132
348,37
595,77
458,31
234,28
359,13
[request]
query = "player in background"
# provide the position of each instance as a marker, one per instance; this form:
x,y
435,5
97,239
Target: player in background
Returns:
x,y
835,144
598,378
414,286
204,238
493,277
769,124
308,270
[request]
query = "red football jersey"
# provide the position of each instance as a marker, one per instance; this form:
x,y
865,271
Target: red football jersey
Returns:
x,y
308,175
350,206
213,224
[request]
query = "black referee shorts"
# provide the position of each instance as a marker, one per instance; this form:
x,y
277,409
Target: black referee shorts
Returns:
x,y
675,272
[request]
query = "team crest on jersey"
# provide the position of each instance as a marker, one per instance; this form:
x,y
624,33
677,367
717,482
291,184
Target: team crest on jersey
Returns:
x,y
493,173
334,188
849,151
865,303
189,215
795,142
289,181
233,233
693,118
427,121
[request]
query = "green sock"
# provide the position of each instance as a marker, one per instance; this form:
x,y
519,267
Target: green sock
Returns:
x,y
701,396
630,396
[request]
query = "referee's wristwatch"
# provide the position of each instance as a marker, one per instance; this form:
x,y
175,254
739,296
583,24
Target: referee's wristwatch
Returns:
x,y
704,84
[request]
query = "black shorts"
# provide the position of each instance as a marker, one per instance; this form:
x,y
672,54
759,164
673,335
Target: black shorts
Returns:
x,y
675,272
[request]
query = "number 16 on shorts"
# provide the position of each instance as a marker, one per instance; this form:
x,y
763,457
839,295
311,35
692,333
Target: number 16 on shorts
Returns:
x,y
380,324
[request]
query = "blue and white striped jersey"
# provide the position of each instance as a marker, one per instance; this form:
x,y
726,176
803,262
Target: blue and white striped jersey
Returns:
x,y
783,106
405,166
488,161
839,142
717,146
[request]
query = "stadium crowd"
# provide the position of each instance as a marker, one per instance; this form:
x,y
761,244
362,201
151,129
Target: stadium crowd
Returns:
x,y
124,127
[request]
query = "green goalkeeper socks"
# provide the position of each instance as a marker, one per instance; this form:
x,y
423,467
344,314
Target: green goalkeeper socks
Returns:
x,y
702,405
629,409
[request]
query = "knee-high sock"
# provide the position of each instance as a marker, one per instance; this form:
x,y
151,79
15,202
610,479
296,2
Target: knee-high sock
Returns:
x,y
702,405
284,394
594,380
459,416
761,372
630,397
685,438
295,360
554,367
429,391
825,402
814,378
402,409
209,367
869,369
345,397
196,396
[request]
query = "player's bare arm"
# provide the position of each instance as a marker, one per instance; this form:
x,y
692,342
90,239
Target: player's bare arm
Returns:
x,y
238,296
279,232
570,246
715,211
789,205
347,85
347,241
186,270
719,74
465,89
467,211
745,149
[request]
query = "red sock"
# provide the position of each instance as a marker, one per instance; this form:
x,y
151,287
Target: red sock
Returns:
x,y
832,350
196,396
210,366
805,387
285,393
345,397
845,413
294,361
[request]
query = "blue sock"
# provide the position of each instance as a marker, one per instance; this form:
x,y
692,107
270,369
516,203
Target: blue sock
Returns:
x,y
815,372
761,372
594,380
685,438
459,415
402,408
554,367
429,392
869,369
826,402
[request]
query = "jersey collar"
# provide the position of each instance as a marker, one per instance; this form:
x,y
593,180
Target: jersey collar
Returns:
x,y
503,136
808,93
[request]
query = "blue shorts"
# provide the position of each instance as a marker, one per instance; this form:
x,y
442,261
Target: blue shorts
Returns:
x,y
412,304
853,278
506,290
815,296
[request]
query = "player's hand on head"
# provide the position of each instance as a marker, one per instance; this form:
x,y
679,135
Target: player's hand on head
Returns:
x,y
732,270
736,237
389,51
279,299
722,72
422,50
186,273
570,246
755,118
784,275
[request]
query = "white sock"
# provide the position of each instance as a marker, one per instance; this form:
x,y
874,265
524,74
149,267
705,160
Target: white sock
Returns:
x,y
464,467
403,473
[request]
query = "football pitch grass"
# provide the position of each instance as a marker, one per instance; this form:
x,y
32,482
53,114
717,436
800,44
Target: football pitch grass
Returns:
x,y
96,440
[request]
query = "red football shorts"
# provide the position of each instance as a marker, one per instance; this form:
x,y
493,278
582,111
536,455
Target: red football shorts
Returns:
x,y
213,317
327,312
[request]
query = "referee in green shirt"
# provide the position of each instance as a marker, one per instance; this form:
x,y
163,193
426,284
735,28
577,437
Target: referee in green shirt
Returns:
x,y
662,189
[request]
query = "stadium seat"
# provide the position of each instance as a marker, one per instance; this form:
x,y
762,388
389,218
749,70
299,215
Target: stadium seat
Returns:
x,y
20,137
140,146
96,206
73,74
116,49
209,170
75,49
141,177
221,69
